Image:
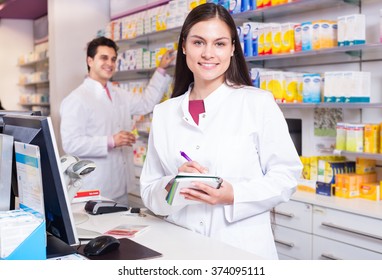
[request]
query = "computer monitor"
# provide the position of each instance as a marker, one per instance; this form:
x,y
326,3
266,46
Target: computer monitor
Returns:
x,y
15,112
38,130
6,154
3,113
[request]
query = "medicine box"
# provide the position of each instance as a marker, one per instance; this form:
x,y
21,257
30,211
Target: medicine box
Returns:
x,y
348,185
365,166
33,247
371,191
25,237
371,138
323,188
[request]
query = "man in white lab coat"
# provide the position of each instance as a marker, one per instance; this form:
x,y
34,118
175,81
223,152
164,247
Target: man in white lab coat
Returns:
x,y
96,120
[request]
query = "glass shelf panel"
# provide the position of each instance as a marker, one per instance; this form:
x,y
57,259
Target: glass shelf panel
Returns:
x,y
356,51
150,38
359,155
329,105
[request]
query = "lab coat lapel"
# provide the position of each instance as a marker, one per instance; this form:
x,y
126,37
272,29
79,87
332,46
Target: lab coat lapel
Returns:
x,y
187,118
211,105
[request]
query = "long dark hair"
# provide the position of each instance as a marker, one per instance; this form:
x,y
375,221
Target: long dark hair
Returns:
x,y
237,72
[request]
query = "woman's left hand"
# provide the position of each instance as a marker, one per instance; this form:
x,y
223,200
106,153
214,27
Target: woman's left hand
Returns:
x,y
210,195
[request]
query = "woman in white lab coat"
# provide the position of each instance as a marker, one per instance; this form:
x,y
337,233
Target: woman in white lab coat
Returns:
x,y
97,126
234,131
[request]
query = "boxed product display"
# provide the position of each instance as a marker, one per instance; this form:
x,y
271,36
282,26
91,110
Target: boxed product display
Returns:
x,y
371,191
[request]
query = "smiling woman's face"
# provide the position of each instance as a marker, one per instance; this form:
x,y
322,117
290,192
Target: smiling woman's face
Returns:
x,y
208,48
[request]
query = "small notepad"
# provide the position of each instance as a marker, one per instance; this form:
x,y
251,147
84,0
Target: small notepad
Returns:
x,y
184,180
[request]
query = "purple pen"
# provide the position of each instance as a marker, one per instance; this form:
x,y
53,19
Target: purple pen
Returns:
x,y
183,154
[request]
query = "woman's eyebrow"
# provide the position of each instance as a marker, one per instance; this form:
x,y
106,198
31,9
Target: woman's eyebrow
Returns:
x,y
217,39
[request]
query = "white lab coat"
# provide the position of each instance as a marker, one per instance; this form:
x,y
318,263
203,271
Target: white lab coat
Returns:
x,y
88,117
243,138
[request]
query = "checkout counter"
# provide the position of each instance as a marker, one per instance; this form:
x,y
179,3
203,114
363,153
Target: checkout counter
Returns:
x,y
172,241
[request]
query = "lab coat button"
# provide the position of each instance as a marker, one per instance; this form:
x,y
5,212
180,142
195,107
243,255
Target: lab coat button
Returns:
x,y
197,147
201,223
204,115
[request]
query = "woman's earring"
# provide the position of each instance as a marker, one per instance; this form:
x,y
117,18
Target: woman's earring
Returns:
x,y
184,52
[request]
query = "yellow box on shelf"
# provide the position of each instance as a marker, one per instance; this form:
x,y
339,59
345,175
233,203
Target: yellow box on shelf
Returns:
x,y
371,138
365,166
371,191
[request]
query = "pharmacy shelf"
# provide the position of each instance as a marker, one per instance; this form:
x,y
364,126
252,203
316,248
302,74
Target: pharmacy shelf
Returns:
x,y
150,38
354,53
329,105
132,74
295,7
359,155
34,63
35,104
35,83
137,74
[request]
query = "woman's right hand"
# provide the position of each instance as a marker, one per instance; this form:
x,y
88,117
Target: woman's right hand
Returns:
x,y
192,167
188,167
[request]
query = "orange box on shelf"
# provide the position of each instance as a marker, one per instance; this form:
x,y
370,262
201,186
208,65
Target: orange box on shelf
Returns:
x,y
371,191
348,185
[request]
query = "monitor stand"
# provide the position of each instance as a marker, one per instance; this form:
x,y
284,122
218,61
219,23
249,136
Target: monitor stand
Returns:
x,y
55,247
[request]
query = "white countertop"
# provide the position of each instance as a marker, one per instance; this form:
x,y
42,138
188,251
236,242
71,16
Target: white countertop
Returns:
x,y
172,241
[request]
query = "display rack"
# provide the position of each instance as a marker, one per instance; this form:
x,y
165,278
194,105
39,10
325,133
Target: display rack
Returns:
x,y
35,91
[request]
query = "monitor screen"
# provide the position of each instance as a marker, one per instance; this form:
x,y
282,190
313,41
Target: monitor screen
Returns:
x,y
38,130
9,112
14,178
6,154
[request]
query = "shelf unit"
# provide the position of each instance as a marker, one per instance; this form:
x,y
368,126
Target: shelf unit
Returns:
x,y
35,93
